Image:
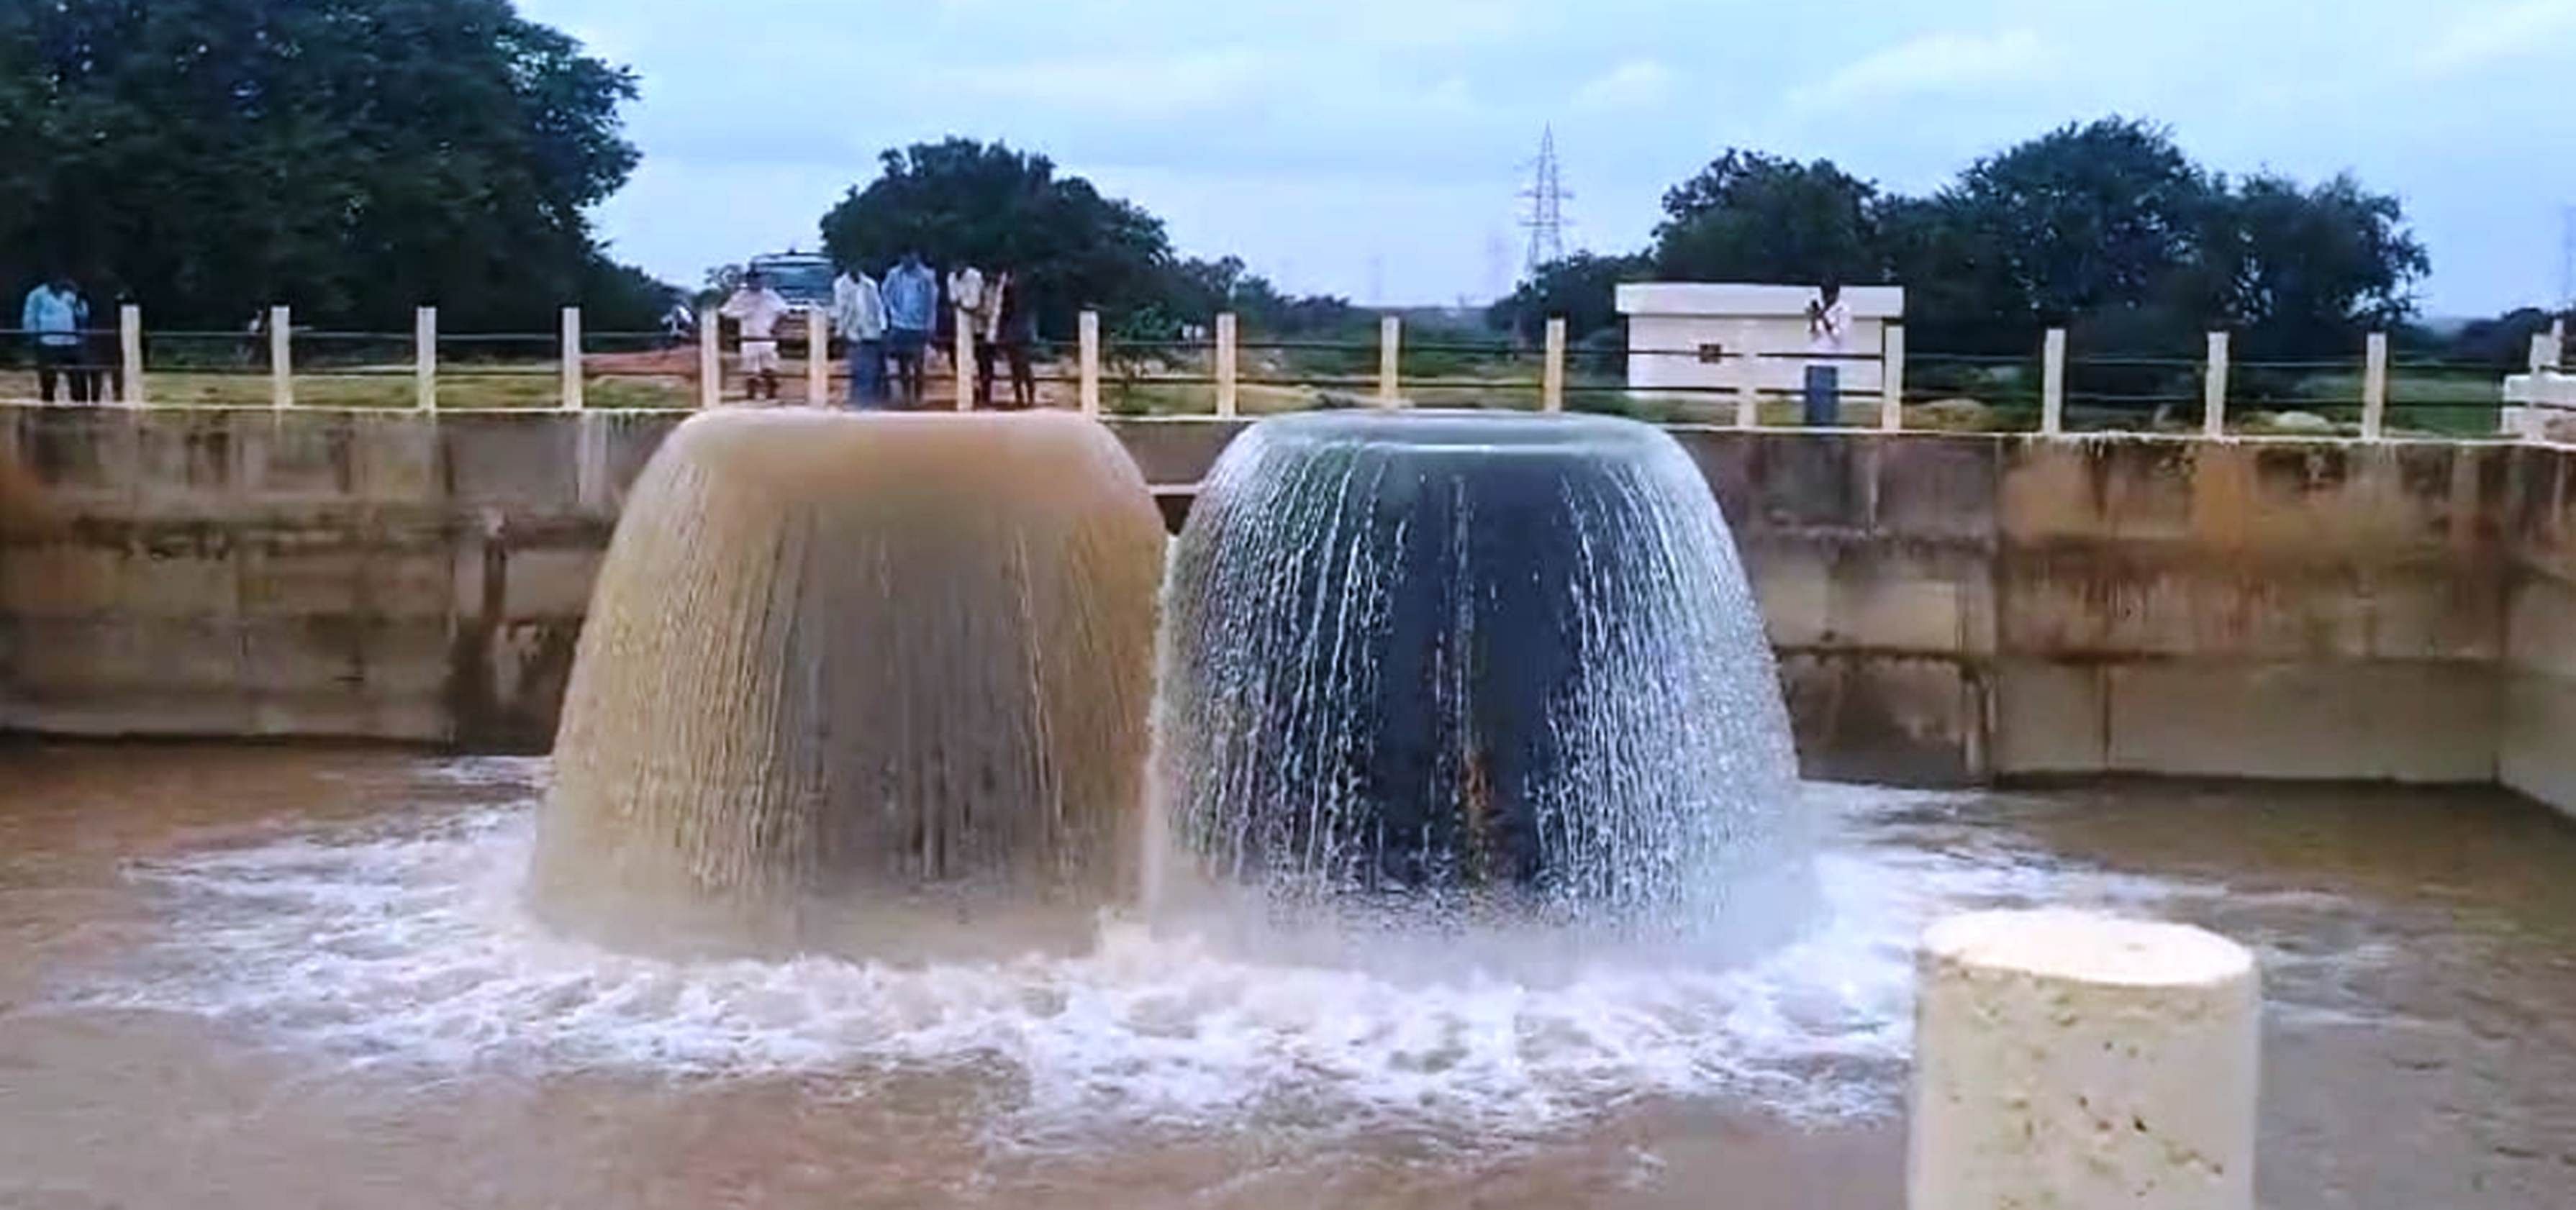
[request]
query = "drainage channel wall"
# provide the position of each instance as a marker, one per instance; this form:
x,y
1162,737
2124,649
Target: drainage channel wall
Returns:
x,y
2537,753
1947,608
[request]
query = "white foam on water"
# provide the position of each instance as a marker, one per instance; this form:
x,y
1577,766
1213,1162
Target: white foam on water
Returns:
x,y
405,945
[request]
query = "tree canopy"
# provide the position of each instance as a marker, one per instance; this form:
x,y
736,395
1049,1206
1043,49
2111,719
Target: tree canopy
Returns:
x,y
1583,288
1754,217
1201,288
2104,226
352,157
959,201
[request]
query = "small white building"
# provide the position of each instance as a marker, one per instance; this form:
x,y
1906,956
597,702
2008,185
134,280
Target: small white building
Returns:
x,y
1692,335
2541,405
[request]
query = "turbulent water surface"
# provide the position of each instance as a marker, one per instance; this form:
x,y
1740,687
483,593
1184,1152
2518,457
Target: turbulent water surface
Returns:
x,y
285,977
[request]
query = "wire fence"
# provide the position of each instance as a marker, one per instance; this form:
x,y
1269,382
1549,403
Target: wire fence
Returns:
x,y
2047,388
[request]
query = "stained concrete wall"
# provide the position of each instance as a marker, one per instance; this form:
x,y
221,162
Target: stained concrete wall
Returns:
x,y
254,573
1947,608
2538,750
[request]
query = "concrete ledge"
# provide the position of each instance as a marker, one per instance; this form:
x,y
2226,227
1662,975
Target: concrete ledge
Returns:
x,y
2422,722
2539,728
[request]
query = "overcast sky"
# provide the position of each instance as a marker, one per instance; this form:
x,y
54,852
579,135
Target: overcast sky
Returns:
x,y
1374,147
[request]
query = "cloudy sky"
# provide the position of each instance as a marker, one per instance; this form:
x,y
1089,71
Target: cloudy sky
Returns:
x,y
1374,147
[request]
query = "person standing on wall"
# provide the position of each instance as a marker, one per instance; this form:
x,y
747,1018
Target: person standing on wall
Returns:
x,y
859,315
1010,333
988,332
1829,322
911,297
53,317
103,349
679,323
757,309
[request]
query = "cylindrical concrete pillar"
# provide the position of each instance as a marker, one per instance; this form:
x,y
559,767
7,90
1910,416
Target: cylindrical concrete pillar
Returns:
x,y
2072,1060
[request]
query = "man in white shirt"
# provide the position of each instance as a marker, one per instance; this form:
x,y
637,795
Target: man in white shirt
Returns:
x,y
859,315
1829,321
757,309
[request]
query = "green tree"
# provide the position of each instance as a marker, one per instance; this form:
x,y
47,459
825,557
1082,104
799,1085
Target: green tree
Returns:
x,y
2308,273
1198,289
2082,217
354,158
2503,342
1201,288
959,201
1751,217
1583,288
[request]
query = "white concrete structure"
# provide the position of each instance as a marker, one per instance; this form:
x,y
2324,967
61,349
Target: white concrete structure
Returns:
x,y
2541,406
2079,1061
1691,335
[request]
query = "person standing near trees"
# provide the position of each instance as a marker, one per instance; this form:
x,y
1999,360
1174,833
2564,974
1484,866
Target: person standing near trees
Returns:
x,y
1008,327
757,309
1829,321
911,297
53,317
859,314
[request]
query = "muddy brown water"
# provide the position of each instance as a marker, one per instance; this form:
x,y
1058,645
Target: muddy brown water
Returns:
x,y
297,977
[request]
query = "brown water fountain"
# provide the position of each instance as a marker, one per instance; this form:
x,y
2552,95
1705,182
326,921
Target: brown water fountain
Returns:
x,y
847,677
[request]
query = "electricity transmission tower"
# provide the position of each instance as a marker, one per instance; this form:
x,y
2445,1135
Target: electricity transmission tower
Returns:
x,y
1546,216
2567,258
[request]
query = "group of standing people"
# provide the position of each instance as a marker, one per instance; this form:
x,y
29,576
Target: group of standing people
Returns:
x,y
56,321
888,329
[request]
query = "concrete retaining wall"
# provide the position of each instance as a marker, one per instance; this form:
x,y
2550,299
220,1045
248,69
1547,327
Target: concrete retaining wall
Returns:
x,y
253,573
2538,751
1948,608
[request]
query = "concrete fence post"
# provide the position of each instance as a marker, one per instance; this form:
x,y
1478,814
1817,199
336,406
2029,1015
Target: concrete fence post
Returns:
x,y
2545,350
129,344
1226,400
1390,359
710,360
1551,374
1088,330
281,357
2080,1061
2374,387
2213,388
818,358
1748,380
572,384
2052,383
1891,378
424,358
964,355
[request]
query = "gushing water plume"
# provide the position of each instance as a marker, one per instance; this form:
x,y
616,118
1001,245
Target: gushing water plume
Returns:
x,y
840,665
1476,661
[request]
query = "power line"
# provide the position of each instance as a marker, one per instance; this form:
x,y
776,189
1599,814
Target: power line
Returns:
x,y
2567,258
1546,216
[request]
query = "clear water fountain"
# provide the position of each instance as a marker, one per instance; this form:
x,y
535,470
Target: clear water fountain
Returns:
x,y
1477,661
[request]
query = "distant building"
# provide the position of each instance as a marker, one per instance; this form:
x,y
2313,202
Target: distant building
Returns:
x,y
2541,405
1691,335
